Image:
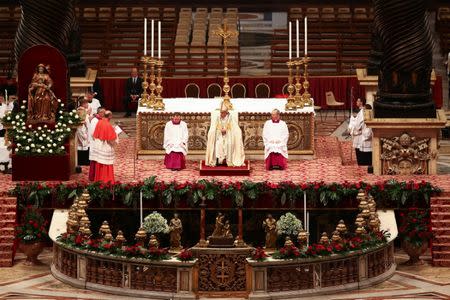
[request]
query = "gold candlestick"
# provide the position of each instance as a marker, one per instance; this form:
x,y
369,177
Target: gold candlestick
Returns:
x,y
306,96
159,104
225,34
298,85
290,104
152,86
144,95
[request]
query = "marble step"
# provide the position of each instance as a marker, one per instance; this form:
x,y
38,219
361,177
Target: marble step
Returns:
x,y
441,255
441,215
441,262
8,201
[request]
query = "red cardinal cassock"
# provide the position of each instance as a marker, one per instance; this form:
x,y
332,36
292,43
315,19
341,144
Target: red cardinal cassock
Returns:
x,y
102,150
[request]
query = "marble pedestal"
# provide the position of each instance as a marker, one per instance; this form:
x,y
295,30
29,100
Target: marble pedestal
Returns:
x,y
405,146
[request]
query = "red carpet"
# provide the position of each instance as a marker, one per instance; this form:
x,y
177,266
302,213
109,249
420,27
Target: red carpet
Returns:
x,y
224,170
327,166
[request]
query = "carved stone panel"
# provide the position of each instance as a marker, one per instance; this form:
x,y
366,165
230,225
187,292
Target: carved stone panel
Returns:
x,y
222,270
405,155
290,278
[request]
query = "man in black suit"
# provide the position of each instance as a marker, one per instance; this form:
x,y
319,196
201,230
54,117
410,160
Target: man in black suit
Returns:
x,y
133,90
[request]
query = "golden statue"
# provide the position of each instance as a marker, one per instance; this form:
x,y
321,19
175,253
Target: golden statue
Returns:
x,y
227,230
219,227
176,228
42,102
270,226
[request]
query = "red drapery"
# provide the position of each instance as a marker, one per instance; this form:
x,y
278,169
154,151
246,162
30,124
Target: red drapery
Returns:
x,y
114,88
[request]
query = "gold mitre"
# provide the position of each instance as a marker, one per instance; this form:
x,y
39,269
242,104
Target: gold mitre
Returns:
x,y
224,106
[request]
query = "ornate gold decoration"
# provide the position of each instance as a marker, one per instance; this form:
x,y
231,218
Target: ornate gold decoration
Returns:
x,y
141,235
153,242
405,155
302,238
159,104
104,229
226,34
288,242
108,236
306,96
300,125
290,104
145,98
120,239
360,222
153,99
336,237
324,239
341,228
360,230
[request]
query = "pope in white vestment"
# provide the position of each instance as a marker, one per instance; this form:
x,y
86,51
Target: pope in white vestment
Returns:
x,y
275,137
225,145
176,137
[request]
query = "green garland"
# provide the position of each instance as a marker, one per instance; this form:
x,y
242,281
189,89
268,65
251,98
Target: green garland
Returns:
x,y
389,193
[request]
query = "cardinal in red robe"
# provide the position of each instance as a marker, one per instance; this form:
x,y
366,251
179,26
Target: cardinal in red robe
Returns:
x,y
105,139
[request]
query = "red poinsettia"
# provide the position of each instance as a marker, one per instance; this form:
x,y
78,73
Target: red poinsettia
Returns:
x,y
259,254
185,255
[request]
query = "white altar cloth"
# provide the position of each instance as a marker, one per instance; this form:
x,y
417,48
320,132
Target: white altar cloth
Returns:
x,y
200,105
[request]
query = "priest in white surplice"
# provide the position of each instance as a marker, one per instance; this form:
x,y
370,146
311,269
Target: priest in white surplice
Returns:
x,y
275,136
355,128
175,143
225,145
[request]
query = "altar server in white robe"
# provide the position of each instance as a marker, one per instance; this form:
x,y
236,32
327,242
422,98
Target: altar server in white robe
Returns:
x,y
176,137
225,145
275,137
355,128
83,134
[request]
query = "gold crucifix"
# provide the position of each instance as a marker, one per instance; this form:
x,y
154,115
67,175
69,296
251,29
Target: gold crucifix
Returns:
x,y
226,34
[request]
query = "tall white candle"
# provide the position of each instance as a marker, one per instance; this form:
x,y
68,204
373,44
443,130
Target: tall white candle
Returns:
x,y
306,36
307,227
297,36
145,36
159,39
141,211
290,40
152,37
6,96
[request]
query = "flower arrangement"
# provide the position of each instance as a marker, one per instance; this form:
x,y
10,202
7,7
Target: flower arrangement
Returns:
x,y
289,224
415,226
185,255
42,140
155,223
32,227
287,252
259,254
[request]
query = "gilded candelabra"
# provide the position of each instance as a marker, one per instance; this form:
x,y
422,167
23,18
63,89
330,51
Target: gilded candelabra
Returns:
x,y
159,104
152,99
226,34
145,97
152,85
298,85
306,96
290,105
